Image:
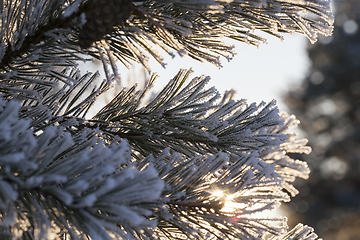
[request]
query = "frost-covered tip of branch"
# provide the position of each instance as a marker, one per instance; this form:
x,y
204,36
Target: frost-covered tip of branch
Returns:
x,y
213,196
57,101
299,232
189,118
35,35
287,167
197,28
73,184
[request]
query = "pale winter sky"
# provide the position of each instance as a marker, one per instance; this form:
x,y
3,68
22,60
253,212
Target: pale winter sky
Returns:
x,y
257,74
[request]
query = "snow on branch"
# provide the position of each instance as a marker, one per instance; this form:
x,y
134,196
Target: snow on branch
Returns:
x,y
211,196
100,188
197,28
186,163
36,37
299,232
192,119
189,118
31,31
53,184
287,167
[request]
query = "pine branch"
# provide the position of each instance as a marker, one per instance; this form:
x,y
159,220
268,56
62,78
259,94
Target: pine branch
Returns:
x,y
33,39
179,120
53,184
299,232
184,123
44,177
63,176
35,48
27,27
188,119
65,99
197,28
194,28
14,49
288,168
198,197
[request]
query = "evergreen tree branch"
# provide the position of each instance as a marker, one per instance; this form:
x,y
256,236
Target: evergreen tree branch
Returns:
x,y
196,209
49,188
180,99
63,176
33,40
288,168
203,124
39,32
36,48
190,193
299,232
197,28
28,27
192,28
188,119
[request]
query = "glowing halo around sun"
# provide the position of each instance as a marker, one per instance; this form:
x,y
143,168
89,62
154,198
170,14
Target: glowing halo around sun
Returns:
x,y
235,209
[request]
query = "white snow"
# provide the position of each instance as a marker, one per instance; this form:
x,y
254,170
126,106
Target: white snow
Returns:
x,y
34,181
72,9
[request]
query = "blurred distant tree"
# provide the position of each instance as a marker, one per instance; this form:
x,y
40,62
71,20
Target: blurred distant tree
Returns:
x,y
328,106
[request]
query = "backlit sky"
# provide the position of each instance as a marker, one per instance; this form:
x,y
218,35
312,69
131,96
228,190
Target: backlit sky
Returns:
x,y
257,74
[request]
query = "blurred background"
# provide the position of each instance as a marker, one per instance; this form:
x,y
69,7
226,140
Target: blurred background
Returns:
x,y
318,83
327,103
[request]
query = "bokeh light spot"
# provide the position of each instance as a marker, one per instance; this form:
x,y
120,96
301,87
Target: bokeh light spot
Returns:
x,y
350,27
